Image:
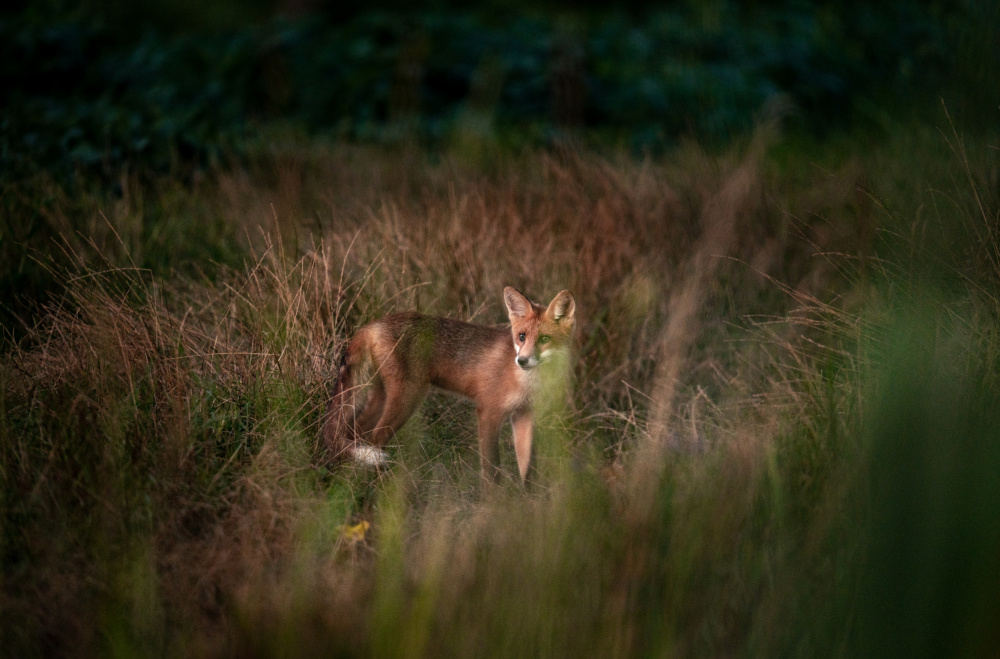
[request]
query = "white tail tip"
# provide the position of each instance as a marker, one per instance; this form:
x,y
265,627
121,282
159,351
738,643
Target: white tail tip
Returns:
x,y
369,456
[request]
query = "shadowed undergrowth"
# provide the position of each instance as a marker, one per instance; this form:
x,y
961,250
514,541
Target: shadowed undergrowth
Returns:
x,y
781,440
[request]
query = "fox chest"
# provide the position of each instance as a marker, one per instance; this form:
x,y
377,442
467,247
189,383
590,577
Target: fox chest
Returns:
x,y
521,387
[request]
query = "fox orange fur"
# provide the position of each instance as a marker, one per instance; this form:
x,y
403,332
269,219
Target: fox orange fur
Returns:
x,y
395,360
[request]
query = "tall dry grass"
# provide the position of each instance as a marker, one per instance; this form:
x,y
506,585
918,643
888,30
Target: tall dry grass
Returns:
x,y
164,491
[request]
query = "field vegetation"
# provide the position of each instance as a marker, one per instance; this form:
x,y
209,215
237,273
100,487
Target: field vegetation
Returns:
x,y
783,435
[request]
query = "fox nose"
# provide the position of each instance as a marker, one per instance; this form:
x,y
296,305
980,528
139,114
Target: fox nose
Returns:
x,y
522,362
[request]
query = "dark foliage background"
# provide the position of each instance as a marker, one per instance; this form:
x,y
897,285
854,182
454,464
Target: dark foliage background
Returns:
x,y
168,87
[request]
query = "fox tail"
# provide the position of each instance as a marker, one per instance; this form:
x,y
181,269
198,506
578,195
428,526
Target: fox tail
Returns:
x,y
339,434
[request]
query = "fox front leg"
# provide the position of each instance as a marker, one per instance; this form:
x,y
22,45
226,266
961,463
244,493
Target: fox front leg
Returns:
x,y
489,444
524,427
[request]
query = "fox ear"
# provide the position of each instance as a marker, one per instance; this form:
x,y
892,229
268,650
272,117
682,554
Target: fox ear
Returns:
x,y
517,304
562,308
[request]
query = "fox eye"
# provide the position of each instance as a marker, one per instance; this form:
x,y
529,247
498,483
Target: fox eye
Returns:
x,y
543,339
520,337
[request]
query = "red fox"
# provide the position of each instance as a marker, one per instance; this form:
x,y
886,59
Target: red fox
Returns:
x,y
503,369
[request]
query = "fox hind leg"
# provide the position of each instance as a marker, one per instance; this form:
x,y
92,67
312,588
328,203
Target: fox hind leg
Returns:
x,y
372,403
401,400
371,410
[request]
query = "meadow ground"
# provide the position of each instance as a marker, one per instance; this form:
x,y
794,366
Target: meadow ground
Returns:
x,y
782,439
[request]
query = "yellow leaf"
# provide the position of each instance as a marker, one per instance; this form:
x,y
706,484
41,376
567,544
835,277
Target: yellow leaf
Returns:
x,y
355,534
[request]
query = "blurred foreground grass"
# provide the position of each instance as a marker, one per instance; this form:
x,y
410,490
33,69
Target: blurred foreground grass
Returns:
x,y
783,438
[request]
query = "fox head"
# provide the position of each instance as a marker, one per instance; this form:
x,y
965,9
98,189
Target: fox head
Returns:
x,y
540,333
